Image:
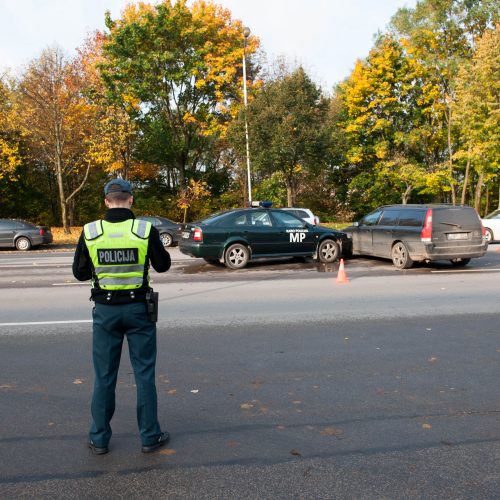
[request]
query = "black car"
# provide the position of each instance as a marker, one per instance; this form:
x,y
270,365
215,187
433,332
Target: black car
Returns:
x,y
237,236
169,230
420,233
23,235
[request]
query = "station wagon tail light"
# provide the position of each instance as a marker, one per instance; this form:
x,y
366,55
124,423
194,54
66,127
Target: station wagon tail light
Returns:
x,y
198,234
426,236
483,230
42,231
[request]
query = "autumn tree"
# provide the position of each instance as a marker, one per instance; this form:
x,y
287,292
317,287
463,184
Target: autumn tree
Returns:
x,y
182,65
9,136
440,36
390,125
112,146
57,123
286,122
477,110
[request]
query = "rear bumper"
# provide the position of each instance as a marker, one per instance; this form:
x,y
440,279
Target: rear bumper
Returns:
x,y
36,240
200,250
431,251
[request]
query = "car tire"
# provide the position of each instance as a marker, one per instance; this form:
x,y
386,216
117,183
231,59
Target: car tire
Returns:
x,y
400,256
459,262
328,251
236,256
488,234
23,243
166,239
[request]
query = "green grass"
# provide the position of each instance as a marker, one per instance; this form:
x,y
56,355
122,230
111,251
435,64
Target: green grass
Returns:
x,y
336,225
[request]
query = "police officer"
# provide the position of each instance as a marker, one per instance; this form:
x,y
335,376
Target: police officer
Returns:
x,y
115,254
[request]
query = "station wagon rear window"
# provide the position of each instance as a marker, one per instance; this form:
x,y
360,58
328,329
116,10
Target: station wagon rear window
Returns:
x,y
455,217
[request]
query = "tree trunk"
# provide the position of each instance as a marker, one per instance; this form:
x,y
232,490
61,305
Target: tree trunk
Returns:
x,y
477,194
71,214
290,193
62,197
406,195
450,159
466,181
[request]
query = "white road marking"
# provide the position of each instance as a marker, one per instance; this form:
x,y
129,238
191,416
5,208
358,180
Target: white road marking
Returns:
x,y
466,271
34,264
72,283
47,322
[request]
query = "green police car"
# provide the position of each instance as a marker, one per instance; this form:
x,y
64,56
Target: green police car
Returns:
x,y
234,237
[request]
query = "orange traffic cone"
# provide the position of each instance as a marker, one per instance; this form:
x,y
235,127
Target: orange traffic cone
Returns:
x,y
342,276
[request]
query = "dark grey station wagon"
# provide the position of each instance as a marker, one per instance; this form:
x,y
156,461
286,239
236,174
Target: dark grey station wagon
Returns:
x,y
17,233
420,233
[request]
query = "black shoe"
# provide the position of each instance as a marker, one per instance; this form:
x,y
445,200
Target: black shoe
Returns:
x,y
96,450
162,440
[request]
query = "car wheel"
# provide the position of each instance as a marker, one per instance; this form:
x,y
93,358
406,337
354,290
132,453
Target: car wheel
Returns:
x,y
400,256
459,262
23,243
237,256
328,251
488,234
166,239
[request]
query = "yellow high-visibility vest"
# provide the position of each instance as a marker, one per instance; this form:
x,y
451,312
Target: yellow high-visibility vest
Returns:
x,y
118,252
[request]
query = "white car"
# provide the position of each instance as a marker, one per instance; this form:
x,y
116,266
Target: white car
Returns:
x,y
305,214
491,223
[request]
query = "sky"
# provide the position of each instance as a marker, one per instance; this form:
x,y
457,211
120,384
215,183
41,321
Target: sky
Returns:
x,y
325,36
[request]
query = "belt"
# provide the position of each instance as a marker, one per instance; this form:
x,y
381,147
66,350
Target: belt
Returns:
x,y
100,296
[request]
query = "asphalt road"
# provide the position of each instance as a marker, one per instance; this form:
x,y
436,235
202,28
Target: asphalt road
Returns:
x,y
275,382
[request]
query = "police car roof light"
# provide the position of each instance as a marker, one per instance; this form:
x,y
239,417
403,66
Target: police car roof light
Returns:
x,y
263,204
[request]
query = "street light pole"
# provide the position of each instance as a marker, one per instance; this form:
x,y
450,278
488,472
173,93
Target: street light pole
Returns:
x,y
246,34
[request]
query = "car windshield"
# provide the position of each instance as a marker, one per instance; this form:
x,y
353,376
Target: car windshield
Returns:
x,y
299,213
288,220
25,223
164,220
493,215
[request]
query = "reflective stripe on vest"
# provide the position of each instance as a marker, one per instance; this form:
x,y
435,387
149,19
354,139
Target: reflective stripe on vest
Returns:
x,y
120,282
119,269
92,230
118,251
140,228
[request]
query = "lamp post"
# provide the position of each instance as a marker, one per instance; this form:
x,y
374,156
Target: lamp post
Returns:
x,y
246,34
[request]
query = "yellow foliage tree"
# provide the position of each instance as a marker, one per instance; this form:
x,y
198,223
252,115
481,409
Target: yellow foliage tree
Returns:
x,y
9,142
182,65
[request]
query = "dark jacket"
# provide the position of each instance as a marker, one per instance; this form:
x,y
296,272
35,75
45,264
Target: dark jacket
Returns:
x,y
83,268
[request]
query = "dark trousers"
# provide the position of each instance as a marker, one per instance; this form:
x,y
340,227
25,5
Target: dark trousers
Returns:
x,y
111,324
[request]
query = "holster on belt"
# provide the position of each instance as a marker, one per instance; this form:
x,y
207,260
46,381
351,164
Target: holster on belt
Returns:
x,y
152,304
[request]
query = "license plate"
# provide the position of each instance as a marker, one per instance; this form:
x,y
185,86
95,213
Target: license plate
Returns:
x,y
458,236
186,234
